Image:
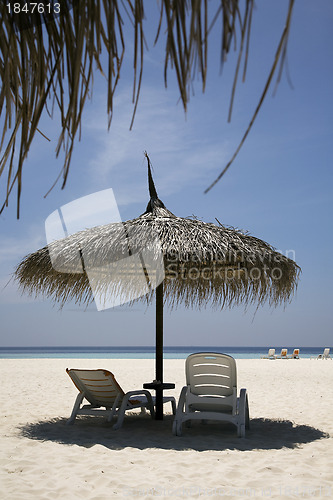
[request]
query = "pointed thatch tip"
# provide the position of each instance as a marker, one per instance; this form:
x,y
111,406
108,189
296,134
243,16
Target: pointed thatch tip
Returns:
x,y
154,200
151,185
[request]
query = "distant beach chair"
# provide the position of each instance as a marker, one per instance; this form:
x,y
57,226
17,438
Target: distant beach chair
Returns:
x,y
295,354
211,393
100,389
283,354
325,355
270,355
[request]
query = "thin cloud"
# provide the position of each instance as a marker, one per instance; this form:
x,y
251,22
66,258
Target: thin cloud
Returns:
x,y
9,293
12,249
179,153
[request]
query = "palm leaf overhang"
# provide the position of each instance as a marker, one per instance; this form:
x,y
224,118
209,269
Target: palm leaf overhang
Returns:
x,y
48,62
204,263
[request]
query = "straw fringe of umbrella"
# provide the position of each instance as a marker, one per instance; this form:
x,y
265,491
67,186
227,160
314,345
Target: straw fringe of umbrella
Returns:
x,y
204,263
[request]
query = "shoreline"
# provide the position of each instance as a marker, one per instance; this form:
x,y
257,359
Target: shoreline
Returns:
x,y
147,352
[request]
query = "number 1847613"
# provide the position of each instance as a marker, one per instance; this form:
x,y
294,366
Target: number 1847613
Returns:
x,y
33,7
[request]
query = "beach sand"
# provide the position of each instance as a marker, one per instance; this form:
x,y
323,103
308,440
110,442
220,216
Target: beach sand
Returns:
x,y
288,452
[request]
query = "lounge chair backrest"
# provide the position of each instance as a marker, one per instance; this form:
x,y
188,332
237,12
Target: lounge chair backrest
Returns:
x,y
98,386
295,353
271,353
284,353
211,393
326,352
212,379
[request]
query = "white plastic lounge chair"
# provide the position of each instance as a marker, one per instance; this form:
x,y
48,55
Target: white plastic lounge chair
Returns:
x,y
211,393
295,354
100,389
270,355
326,354
283,355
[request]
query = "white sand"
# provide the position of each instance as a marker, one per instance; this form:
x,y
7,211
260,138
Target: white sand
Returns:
x,y
288,452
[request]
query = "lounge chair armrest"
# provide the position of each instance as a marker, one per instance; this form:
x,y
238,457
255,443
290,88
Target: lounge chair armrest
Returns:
x,y
141,392
127,396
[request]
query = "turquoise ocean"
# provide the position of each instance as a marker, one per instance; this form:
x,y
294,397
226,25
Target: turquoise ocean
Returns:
x,y
144,352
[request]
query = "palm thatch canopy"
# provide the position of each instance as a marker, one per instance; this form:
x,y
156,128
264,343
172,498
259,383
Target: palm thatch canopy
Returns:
x,y
203,263
48,60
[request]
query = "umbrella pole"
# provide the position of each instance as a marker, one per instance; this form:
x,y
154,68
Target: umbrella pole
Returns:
x,y
159,351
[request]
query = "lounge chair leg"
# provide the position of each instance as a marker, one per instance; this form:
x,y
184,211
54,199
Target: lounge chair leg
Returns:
x,y
174,428
241,430
119,422
76,407
177,428
243,413
114,408
150,404
121,412
247,415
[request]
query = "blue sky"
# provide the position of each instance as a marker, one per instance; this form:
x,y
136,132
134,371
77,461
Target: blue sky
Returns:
x,y
279,188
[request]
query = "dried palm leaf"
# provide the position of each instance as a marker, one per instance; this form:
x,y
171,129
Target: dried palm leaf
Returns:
x,y
48,57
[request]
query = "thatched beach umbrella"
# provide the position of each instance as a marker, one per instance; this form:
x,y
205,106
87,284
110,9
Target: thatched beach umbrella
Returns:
x,y
185,260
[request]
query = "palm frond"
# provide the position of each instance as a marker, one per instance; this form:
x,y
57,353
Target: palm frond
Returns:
x,y
51,59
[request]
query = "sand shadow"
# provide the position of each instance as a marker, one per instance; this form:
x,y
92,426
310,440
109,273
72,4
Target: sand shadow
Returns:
x,y
142,433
